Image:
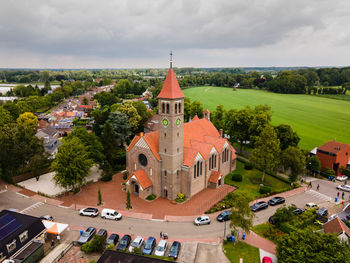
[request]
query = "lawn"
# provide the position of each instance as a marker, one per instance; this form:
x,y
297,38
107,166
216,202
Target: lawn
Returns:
x,y
250,181
239,250
316,119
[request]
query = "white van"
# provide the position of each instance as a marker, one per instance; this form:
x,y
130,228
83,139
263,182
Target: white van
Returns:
x,y
111,214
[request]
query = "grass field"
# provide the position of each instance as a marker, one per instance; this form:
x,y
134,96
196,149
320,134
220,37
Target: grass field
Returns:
x,y
239,250
316,119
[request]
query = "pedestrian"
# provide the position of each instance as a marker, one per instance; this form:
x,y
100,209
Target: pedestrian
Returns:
x,y
161,234
338,194
52,243
310,185
58,238
342,195
318,187
165,236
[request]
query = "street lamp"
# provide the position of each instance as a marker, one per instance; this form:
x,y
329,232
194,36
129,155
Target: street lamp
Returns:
x,y
224,229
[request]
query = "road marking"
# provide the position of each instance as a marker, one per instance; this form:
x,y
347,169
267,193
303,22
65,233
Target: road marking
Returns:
x,y
158,220
319,195
33,206
3,191
22,195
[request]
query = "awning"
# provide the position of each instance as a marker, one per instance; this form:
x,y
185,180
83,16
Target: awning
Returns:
x,y
54,227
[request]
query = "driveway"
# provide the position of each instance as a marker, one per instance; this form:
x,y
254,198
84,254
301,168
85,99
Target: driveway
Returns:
x,y
209,253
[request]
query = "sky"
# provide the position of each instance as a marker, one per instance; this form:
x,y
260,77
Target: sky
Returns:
x,y
141,33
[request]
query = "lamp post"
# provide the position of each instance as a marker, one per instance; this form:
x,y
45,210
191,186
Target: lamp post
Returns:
x,y
224,229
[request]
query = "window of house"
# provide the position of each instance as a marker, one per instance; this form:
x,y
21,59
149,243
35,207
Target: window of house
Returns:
x,y
165,173
175,108
209,163
177,149
167,108
165,150
201,167
134,166
142,159
194,172
215,161
178,172
178,134
164,134
163,108
198,168
24,236
179,107
11,246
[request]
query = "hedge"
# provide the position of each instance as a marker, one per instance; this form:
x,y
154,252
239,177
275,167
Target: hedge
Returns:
x,y
264,189
236,177
248,166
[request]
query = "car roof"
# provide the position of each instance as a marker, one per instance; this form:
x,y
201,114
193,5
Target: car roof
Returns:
x,y
126,236
162,243
150,239
113,235
138,238
102,230
90,228
261,202
176,243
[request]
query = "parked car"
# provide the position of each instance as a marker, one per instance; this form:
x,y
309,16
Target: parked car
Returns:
x,y
112,239
258,206
46,217
298,211
89,211
161,248
341,178
174,250
224,216
136,243
124,242
311,206
266,260
87,235
272,220
111,214
344,187
149,246
102,232
276,200
332,217
202,220
322,212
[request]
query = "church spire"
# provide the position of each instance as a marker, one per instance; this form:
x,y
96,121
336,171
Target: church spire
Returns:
x,y
171,59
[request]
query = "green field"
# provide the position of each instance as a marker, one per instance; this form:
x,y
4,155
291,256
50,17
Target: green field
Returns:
x,y
315,119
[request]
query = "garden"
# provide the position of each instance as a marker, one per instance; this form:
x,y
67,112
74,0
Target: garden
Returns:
x,y
235,251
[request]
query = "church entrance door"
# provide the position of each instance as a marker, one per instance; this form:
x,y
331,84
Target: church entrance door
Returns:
x,y
165,192
136,188
219,182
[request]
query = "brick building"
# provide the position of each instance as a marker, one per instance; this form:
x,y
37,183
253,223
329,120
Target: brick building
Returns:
x,y
334,155
177,157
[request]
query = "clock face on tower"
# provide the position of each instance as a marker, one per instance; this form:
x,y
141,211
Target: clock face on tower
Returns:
x,y
165,122
178,122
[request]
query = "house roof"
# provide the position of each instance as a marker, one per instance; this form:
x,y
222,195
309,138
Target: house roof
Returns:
x,y
171,88
141,177
50,130
336,226
333,147
214,177
112,256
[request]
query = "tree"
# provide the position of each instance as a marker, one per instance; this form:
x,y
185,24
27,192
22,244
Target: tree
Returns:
x,y
72,164
144,113
5,117
28,119
187,109
309,246
261,118
313,164
106,98
91,142
129,110
197,109
38,162
111,147
128,202
242,215
122,88
218,117
293,158
287,136
85,101
121,126
267,150
99,196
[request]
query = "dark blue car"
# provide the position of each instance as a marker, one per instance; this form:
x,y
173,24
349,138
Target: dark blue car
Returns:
x,y
174,250
149,246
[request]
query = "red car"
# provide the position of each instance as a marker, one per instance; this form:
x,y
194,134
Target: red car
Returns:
x,y
267,260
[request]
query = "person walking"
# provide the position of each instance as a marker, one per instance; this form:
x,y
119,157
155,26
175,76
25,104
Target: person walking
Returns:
x,y
338,194
318,187
342,195
52,243
310,185
161,234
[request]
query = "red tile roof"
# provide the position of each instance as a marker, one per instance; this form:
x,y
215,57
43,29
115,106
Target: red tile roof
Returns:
x,y
214,176
195,118
336,226
142,178
171,88
333,147
152,141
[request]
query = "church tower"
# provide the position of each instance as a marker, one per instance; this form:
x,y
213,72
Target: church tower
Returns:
x,y
170,132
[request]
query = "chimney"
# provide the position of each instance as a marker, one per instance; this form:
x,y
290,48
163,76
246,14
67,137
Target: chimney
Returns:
x,y
221,133
141,134
207,114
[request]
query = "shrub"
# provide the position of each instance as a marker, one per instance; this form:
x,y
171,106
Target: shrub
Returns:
x,y
151,197
248,166
98,244
180,195
110,247
264,189
180,198
236,177
87,248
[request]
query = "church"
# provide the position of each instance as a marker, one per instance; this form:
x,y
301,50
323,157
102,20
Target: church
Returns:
x,y
178,157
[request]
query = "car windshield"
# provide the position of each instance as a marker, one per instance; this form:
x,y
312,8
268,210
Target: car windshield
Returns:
x,y
134,244
160,248
123,242
85,234
173,249
148,245
199,218
116,213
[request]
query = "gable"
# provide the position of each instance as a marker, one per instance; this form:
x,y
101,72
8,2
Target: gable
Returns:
x,y
142,143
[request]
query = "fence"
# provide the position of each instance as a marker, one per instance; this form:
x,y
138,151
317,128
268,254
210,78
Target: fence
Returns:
x,y
61,255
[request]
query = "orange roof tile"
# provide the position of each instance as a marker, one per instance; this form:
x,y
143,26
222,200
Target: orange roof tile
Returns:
x,y
336,226
333,146
214,176
171,88
195,118
142,178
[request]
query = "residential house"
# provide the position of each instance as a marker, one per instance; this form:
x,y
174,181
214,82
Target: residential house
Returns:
x,y
337,226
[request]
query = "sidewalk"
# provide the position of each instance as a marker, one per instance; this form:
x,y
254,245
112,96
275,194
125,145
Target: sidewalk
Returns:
x,y
56,252
260,242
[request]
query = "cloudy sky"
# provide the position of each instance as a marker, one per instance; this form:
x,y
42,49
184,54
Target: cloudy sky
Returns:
x,y
140,33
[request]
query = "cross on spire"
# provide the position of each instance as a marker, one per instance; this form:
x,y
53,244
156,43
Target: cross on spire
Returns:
x,y
171,59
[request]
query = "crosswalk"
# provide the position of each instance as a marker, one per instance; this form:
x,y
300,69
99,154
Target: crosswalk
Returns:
x,y
33,206
319,195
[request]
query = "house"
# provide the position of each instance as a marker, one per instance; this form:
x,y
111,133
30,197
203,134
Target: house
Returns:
x,y
112,256
178,157
84,108
49,136
18,232
337,226
334,155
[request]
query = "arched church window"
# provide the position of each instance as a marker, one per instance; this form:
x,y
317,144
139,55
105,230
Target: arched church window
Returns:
x,y
143,159
167,108
179,107
175,108
163,107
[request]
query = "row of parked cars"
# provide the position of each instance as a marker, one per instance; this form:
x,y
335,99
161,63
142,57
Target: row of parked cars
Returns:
x,y
105,213
125,242
263,205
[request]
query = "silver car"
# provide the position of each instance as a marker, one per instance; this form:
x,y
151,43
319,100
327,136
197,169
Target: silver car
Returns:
x,y
344,187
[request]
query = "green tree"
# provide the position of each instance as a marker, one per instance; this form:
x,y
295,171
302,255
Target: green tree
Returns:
x,y
218,117
144,113
121,126
287,136
187,109
38,162
5,117
28,119
261,118
313,164
72,164
122,88
242,216
85,101
128,202
99,196
309,247
111,146
293,158
267,150
129,110
106,98
197,109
